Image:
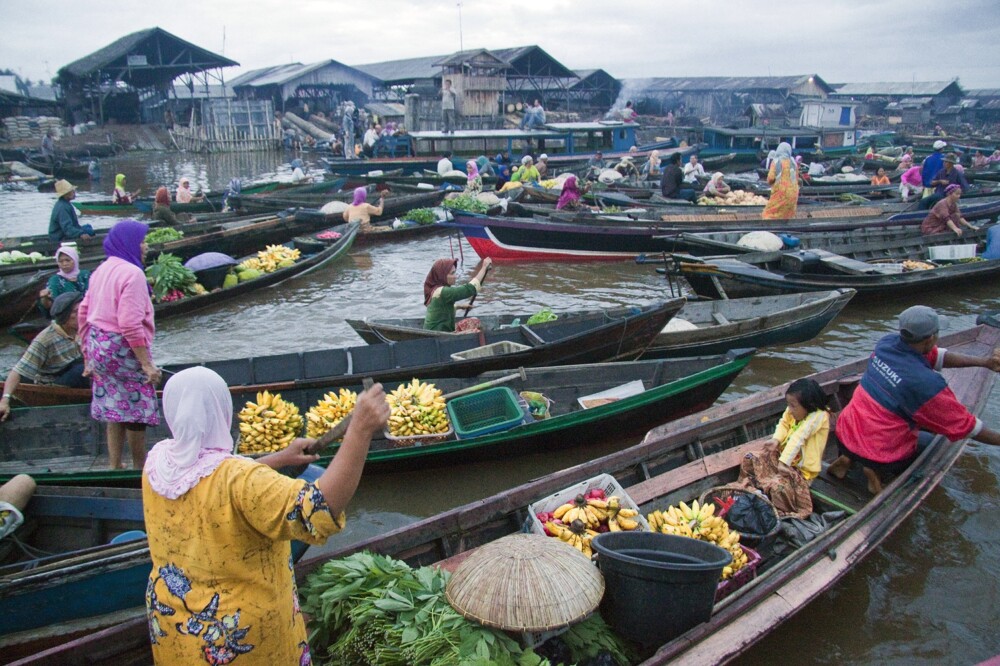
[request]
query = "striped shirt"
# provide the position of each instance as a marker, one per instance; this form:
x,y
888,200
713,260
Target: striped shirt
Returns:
x,y
48,355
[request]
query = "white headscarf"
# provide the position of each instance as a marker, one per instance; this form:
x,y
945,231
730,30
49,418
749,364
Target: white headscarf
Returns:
x,y
783,152
199,412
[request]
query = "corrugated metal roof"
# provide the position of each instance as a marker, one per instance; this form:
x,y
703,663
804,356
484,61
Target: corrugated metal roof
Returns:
x,y
895,89
214,91
403,70
733,83
382,109
459,57
983,92
127,45
282,74
512,55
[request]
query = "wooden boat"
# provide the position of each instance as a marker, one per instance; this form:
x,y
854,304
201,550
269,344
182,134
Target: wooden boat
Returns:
x,y
618,237
59,166
18,294
316,253
721,324
621,336
675,461
144,205
820,270
395,204
61,445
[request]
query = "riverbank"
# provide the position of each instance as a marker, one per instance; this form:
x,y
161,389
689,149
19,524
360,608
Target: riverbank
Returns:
x,y
126,137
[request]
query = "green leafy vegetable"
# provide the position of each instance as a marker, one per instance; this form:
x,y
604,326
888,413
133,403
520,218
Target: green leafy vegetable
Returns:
x,y
421,216
163,235
169,274
466,202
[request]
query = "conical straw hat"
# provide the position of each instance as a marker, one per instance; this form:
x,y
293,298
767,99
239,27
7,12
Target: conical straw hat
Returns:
x,y
526,582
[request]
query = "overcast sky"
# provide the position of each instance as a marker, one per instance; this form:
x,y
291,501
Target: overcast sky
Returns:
x,y
841,40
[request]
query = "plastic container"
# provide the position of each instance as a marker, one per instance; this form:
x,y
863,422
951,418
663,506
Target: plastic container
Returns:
x,y
627,390
951,252
493,349
657,586
741,577
605,482
493,410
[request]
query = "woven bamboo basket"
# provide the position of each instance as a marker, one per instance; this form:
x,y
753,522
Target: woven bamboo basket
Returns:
x,y
747,538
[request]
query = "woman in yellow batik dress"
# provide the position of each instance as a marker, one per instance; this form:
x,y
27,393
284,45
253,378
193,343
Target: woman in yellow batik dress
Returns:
x,y
222,588
783,177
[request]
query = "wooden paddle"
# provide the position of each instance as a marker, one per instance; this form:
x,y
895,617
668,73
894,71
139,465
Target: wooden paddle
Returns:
x,y
473,299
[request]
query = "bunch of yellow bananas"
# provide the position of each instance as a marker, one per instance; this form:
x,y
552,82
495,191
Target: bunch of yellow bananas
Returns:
x,y
269,424
274,257
329,411
249,264
594,512
575,533
700,522
416,408
621,518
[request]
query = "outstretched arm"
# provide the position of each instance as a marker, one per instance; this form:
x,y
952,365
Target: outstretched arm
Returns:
x,y
956,360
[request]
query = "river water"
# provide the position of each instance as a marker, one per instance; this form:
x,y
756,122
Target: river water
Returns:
x,y
928,595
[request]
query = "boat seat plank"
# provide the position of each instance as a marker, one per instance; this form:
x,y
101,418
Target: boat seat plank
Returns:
x,y
720,318
664,483
533,338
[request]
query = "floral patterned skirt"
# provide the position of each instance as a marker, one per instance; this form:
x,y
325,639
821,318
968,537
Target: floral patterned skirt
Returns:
x,y
119,390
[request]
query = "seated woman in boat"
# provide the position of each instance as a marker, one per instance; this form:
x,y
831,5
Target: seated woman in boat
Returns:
x,y
979,160
716,186
945,214
69,278
474,182
783,177
161,208
627,168
569,198
793,456
184,194
360,210
880,178
232,194
994,158
53,357
212,517
652,165
906,160
441,294
911,182
527,173
120,194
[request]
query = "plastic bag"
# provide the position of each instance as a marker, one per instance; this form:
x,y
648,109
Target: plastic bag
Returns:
x,y
541,316
797,532
751,514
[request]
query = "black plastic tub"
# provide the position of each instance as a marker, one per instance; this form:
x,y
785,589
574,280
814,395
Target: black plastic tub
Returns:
x,y
657,586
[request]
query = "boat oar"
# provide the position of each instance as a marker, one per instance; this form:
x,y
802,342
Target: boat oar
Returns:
x,y
485,385
473,299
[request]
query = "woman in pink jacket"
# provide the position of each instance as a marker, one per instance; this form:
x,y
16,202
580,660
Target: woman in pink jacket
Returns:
x,y
116,333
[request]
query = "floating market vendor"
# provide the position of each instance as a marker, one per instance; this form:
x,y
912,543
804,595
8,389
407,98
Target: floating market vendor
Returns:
x,y
945,215
652,165
569,198
69,278
441,294
53,357
64,224
783,177
161,208
672,181
222,589
527,173
716,186
360,210
121,195
903,401
184,194
880,178
474,182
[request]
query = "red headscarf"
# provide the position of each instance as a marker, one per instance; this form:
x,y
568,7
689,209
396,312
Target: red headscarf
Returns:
x,y
163,196
438,277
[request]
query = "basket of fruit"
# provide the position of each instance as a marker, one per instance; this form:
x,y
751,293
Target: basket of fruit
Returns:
x,y
726,497
578,513
267,425
417,415
739,578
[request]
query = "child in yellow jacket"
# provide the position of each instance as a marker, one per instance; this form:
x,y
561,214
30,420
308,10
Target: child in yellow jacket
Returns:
x,y
802,432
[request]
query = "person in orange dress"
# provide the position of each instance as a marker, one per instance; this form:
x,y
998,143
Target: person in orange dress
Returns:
x,y
783,177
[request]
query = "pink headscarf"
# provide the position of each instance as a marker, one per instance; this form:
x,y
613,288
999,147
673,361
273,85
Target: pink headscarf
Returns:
x,y
360,196
473,170
72,254
199,412
570,193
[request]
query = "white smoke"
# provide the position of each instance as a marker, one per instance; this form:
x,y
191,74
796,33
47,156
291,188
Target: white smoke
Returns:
x,y
631,89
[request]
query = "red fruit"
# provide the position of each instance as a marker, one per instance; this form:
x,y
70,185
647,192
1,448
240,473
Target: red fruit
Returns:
x,y
603,527
596,493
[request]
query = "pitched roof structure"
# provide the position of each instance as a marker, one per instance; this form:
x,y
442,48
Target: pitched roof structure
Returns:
x,y
282,74
143,59
411,69
896,89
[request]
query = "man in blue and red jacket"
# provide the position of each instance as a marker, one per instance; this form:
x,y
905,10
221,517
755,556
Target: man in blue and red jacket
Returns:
x,y
903,398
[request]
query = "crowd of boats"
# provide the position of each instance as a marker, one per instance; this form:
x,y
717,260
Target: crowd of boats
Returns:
x,y
678,355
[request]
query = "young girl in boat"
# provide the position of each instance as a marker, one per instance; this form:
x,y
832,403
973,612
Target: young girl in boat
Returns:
x,y
121,195
792,457
441,294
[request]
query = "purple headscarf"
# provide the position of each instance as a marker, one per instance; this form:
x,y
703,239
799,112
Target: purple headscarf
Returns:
x,y
360,196
72,254
125,240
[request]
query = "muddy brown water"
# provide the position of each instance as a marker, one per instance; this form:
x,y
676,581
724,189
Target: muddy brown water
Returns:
x,y
928,595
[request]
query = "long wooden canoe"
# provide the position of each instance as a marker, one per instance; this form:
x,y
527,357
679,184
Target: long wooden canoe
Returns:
x,y
18,294
676,461
61,445
622,335
720,325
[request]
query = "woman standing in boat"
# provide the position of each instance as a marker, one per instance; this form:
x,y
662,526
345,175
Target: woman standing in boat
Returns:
x,y
121,195
220,528
783,177
360,210
68,279
441,294
116,333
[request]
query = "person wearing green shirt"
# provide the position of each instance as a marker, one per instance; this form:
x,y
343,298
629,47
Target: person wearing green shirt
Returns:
x,y
528,173
69,278
441,294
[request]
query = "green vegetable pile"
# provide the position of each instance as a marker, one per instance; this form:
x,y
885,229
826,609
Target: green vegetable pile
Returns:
x,y
541,317
421,216
170,275
18,257
467,203
163,235
372,609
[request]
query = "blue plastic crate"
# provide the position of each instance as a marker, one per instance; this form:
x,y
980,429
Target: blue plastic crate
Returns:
x,y
485,412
